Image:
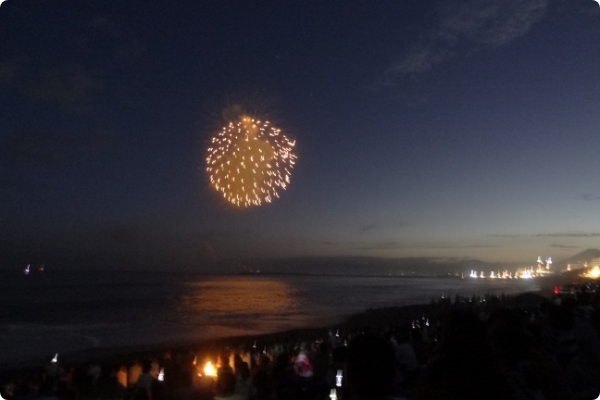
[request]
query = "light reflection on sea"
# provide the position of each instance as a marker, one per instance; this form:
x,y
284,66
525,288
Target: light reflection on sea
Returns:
x,y
260,304
239,296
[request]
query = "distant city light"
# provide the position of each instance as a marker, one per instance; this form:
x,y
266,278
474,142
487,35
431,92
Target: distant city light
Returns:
x,y
542,269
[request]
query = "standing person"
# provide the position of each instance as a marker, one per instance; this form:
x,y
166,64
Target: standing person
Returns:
x,y
93,373
321,363
575,345
133,374
226,387
145,380
243,381
406,358
464,366
371,368
66,390
187,390
263,384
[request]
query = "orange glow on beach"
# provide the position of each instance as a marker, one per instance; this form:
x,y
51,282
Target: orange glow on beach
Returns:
x,y
209,369
593,273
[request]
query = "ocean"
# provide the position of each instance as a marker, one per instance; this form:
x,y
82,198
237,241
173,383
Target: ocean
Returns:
x,y
67,312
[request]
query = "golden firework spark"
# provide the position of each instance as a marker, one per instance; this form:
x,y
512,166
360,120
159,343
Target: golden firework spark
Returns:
x,y
250,162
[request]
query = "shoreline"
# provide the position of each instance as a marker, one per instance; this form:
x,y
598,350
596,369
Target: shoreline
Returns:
x,y
377,319
112,355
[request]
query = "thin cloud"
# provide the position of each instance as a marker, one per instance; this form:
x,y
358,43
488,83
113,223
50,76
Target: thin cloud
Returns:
x,y
126,49
9,183
383,246
105,26
492,23
68,87
590,197
9,70
398,246
123,235
552,235
329,243
49,149
443,246
568,235
367,228
563,246
505,236
475,24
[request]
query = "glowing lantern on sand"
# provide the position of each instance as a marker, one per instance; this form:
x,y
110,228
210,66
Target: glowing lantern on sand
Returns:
x,y
338,378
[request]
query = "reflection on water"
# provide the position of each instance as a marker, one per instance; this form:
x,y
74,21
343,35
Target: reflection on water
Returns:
x,y
239,295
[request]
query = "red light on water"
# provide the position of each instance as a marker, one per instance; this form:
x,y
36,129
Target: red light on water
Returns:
x,y
555,290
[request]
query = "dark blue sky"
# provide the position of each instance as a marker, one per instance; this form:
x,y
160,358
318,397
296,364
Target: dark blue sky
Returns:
x,y
423,128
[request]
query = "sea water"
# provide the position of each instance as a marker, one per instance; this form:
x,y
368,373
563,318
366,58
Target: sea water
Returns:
x,y
64,312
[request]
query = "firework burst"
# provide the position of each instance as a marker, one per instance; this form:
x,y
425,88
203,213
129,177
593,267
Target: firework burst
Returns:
x,y
250,162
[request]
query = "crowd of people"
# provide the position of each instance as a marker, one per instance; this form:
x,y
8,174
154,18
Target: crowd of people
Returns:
x,y
522,348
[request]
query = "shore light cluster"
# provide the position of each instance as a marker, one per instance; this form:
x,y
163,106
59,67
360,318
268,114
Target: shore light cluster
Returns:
x,y
500,275
250,161
593,273
543,269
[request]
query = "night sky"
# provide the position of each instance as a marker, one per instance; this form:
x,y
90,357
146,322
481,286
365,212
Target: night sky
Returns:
x,y
423,128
